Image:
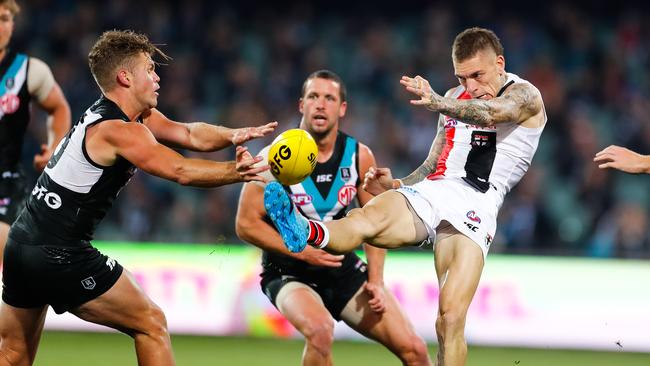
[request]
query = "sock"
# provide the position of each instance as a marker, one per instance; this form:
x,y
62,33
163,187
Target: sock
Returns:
x,y
318,236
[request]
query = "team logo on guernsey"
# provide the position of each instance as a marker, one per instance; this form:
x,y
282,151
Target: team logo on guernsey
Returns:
x,y
450,122
301,199
345,174
10,83
9,103
472,216
347,194
488,240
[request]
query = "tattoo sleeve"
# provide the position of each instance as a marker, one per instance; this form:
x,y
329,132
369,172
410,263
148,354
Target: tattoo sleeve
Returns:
x,y
429,164
518,103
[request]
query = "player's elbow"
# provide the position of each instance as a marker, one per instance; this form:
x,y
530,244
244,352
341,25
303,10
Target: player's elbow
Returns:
x,y
180,174
243,227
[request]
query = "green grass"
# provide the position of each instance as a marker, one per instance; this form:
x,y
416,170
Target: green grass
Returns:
x,y
104,349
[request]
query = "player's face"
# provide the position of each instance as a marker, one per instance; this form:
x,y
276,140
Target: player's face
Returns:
x,y
321,106
482,74
146,80
6,27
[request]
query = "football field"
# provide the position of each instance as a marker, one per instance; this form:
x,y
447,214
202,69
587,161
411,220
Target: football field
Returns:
x,y
109,349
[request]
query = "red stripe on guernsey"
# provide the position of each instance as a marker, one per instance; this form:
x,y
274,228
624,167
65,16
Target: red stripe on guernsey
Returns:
x,y
450,132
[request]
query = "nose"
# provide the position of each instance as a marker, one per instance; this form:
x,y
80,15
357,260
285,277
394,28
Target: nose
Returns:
x,y
320,104
156,77
471,85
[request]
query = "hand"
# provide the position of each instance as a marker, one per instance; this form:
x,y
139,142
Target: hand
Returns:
x,y
41,159
420,87
319,257
241,135
377,180
377,300
622,159
245,165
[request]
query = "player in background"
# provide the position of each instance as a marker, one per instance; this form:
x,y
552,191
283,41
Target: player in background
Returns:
x,y
23,79
313,288
49,259
488,131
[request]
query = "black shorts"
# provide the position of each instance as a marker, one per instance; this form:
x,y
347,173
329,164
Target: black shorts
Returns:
x,y
63,277
336,287
13,192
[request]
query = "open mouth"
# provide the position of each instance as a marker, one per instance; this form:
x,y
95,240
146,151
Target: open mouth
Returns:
x,y
320,118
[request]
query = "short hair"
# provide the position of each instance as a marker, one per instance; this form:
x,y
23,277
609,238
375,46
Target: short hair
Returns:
x,y
115,49
11,5
472,40
328,75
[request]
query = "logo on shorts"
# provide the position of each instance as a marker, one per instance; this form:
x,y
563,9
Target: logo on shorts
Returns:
x,y
472,216
110,262
88,283
5,201
488,240
345,174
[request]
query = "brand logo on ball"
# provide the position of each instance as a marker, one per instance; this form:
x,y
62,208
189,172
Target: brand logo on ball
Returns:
x,y
284,153
472,216
312,159
347,194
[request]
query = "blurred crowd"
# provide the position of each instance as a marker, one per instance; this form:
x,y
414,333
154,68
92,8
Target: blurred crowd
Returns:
x,y
243,64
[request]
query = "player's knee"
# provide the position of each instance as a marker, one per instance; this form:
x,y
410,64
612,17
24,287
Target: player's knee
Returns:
x,y
414,351
154,322
449,321
12,353
320,335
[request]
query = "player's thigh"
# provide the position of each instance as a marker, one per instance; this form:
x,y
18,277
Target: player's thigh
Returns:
x,y
391,328
393,220
303,307
20,328
124,307
459,264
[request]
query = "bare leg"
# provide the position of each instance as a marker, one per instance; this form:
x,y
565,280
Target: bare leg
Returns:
x,y
390,328
302,306
20,332
384,222
459,263
4,232
126,308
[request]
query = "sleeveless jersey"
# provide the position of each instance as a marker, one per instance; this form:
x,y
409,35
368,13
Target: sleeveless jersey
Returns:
x,y
73,194
14,108
483,156
326,194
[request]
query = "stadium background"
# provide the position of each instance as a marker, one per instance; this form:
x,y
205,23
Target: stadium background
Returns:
x,y
243,64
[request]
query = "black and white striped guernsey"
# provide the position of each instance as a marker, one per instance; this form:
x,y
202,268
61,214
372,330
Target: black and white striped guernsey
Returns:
x,y
73,194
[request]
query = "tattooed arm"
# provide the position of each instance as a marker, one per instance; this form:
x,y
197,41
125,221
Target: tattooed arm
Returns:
x,y
429,164
519,103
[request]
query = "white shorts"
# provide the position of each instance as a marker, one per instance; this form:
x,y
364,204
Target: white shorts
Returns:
x,y
471,212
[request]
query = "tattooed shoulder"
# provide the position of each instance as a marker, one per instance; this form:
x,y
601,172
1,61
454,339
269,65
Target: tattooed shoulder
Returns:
x,y
525,96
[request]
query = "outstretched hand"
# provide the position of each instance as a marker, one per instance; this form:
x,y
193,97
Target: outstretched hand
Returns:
x,y
41,159
319,257
377,180
242,135
245,165
377,300
421,88
622,159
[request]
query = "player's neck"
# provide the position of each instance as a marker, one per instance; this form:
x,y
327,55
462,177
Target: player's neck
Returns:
x,y
3,53
127,104
326,146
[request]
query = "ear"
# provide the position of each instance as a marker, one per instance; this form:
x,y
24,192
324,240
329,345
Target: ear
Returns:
x,y
501,63
124,78
301,106
343,109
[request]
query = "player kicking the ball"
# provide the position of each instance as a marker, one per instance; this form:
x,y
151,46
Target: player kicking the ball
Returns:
x,y
488,130
313,288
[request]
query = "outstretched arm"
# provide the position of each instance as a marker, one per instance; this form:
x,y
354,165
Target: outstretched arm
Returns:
x,y
58,124
518,103
200,136
623,159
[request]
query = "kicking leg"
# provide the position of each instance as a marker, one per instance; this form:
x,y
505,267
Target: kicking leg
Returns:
x,y
126,308
459,263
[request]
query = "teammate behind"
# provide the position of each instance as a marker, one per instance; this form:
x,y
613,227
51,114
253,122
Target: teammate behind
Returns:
x,y
49,259
23,79
313,288
488,130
